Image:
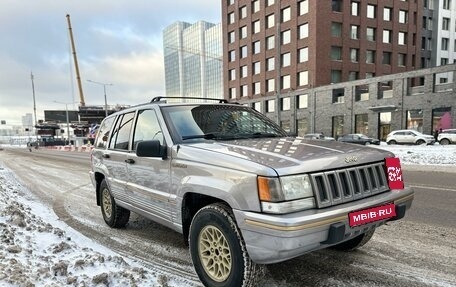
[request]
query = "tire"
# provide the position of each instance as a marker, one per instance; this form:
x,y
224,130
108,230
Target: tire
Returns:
x,y
367,143
420,142
355,243
392,142
218,250
114,215
444,142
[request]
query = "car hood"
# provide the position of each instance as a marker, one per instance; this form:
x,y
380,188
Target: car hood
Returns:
x,y
282,155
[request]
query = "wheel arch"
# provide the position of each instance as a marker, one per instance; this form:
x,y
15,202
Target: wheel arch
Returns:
x,y
99,177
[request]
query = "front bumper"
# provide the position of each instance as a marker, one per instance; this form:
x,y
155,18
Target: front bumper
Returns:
x,y
274,238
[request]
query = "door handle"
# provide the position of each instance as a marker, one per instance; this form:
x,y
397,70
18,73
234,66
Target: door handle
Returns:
x,y
105,155
130,160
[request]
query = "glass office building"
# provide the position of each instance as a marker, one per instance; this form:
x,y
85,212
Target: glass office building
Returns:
x,y
193,60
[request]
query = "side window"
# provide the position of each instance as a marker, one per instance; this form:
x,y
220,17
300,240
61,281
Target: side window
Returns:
x,y
103,133
147,128
121,133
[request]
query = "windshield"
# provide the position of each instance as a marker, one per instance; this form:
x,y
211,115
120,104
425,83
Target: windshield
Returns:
x,y
218,122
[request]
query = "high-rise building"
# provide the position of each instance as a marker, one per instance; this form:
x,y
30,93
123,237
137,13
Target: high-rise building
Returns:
x,y
272,47
193,60
438,39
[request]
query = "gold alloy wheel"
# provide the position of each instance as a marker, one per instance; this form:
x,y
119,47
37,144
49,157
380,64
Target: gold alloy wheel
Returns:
x,y
107,203
215,254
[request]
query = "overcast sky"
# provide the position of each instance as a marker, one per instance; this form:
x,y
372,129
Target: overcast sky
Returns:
x,y
117,41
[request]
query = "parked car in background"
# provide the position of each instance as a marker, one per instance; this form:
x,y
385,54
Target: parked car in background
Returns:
x,y
318,136
409,137
358,139
447,136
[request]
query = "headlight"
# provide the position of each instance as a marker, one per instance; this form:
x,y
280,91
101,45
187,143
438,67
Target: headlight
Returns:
x,y
285,194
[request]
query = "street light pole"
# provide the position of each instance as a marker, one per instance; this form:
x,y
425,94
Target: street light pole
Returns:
x,y
104,90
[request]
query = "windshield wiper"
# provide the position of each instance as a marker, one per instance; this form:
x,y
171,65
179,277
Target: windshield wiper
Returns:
x,y
207,136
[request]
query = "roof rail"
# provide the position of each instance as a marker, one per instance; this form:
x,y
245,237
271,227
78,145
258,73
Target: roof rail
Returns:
x,y
221,101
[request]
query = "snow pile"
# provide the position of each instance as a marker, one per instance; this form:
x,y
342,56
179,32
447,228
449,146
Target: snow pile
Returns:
x,y
34,252
442,155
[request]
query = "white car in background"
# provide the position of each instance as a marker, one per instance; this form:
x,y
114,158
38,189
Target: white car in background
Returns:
x,y
447,137
409,137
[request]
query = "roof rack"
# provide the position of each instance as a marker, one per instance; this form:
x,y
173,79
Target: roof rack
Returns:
x,y
221,101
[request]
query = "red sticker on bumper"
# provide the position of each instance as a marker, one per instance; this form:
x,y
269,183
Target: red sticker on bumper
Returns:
x,y
372,214
394,173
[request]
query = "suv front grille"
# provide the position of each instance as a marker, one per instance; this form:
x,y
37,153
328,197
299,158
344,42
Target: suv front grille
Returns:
x,y
344,185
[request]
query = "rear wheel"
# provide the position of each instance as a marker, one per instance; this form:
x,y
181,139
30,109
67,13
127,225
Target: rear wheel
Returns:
x,y
355,243
444,142
218,250
392,142
420,142
114,215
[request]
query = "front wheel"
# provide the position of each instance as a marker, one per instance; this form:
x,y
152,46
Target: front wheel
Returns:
x,y
420,142
355,243
444,142
392,142
218,250
114,215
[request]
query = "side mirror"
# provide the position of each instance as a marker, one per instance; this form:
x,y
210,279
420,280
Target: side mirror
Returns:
x,y
151,148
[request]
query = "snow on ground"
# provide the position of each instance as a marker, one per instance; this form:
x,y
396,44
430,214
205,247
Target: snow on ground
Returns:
x,y
36,249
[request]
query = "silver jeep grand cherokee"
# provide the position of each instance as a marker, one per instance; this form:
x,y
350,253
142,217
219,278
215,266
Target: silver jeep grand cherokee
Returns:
x,y
240,190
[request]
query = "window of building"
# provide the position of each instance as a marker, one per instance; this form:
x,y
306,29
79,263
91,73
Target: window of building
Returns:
x,y
337,126
303,101
336,76
336,5
445,44
386,58
231,37
370,75
415,120
362,124
387,12
270,21
270,83
370,34
232,75
302,126
255,6
256,47
256,26
303,31
401,60
244,91
303,7
285,104
385,90
232,93
443,61
231,18
303,55
336,29
354,32
270,106
257,106
286,14
430,23
354,55
361,93
243,52
403,15
370,57
446,4
270,42
446,24
353,75
286,37
230,2
387,36
270,2
355,8
286,59
286,82
336,53
256,88
338,96
256,68
371,11
270,64
232,55
303,78
402,38
243,12
243,32
243,71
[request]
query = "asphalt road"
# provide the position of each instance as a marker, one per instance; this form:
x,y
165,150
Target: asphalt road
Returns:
x,y
419,250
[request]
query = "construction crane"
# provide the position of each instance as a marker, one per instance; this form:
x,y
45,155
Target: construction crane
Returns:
x,y
78,77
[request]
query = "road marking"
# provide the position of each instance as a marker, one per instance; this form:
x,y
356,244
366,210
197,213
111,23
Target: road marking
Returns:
x,y
433,187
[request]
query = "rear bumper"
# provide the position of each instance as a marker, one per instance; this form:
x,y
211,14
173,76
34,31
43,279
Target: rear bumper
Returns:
x,y
275,238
